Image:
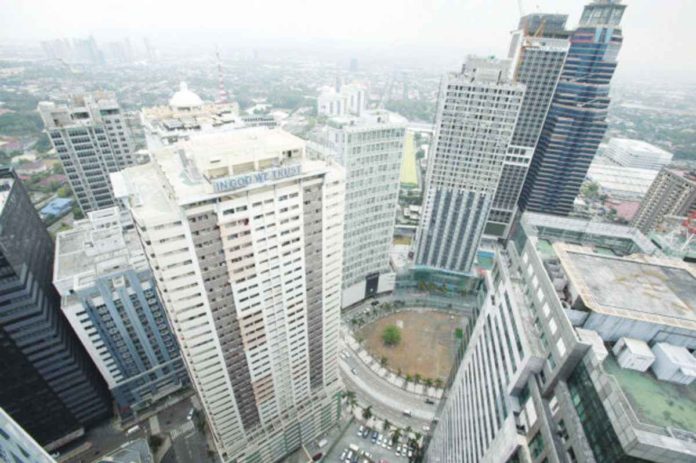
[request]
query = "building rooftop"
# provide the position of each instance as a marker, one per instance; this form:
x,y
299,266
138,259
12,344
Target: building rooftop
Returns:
x,y
368,119
643,288
95,247
655,402
567,229
209,164
186,114
620,180
136,451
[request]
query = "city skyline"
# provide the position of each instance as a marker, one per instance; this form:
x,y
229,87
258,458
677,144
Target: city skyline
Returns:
x,y
455,28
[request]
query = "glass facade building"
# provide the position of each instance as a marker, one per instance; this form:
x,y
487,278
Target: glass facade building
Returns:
x,y
48,383
577,119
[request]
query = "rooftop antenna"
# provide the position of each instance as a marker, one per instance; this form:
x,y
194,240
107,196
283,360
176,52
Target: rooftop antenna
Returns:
x,y
222,93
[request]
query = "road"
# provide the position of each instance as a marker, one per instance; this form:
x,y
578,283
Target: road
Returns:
x,y
387,401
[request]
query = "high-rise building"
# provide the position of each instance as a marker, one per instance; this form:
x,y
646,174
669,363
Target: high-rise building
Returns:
x,y
49,385
476,118
636,153
370,148
577,119
109,296
672,193
564,361
18,446
92,140
348,99
538,50
185,115
245,238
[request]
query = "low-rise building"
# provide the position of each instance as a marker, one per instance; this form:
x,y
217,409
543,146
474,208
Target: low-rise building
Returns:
x,y
627,152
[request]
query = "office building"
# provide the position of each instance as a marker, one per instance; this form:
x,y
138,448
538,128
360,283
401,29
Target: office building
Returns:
x,y
245,238
577,119
672,193
49,386
578,324
636,153
538,51
185,115
370,148
110,298
18,446
344,100
476,118
92,140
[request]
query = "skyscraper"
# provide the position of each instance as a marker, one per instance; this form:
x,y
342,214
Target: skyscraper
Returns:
x,y
577,119
245,238
476,118
538,51
672,193
92,140
110,298
49,386
370,148
546,374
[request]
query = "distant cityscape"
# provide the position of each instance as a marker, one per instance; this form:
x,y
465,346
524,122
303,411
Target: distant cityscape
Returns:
x,y
256,256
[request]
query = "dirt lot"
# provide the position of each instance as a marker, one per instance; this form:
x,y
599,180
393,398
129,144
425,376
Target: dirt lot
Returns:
x,y
427,342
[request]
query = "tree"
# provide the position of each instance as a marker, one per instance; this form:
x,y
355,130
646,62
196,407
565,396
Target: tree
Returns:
x,y
409,378
408,431
459,333
383,361
155,442
395,437
391,335
428,382
386,425
418,378
367,412
438,383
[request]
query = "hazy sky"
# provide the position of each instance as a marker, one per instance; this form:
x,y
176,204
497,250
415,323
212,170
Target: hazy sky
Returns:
x,y
659,34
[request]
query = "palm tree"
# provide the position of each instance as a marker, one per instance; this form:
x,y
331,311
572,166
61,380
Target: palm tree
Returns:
x,y
408,431
409,378
386,425
418,378
428,382
396,436
438,383
383,361
367,412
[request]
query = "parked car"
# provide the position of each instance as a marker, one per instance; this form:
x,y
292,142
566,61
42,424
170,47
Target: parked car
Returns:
x,y
366,432
375,435
360,430
398,450
343,456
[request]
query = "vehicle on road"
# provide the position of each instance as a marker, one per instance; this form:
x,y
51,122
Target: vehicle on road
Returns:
x,y
407,413
426,428
354,371
430,401
190,414
132,430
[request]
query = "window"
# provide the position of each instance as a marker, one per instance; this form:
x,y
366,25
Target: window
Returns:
x,y
536,445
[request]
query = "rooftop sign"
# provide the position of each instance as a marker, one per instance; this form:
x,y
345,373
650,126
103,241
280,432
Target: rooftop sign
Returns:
x,y
241,181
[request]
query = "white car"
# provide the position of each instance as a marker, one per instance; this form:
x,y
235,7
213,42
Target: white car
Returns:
x,y
190,414
398,450
360,430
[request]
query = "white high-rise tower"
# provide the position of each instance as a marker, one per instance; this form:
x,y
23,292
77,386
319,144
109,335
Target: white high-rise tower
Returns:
x,y
245,238
476,117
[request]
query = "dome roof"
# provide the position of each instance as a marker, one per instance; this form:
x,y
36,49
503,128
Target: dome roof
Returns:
x,y
185,98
